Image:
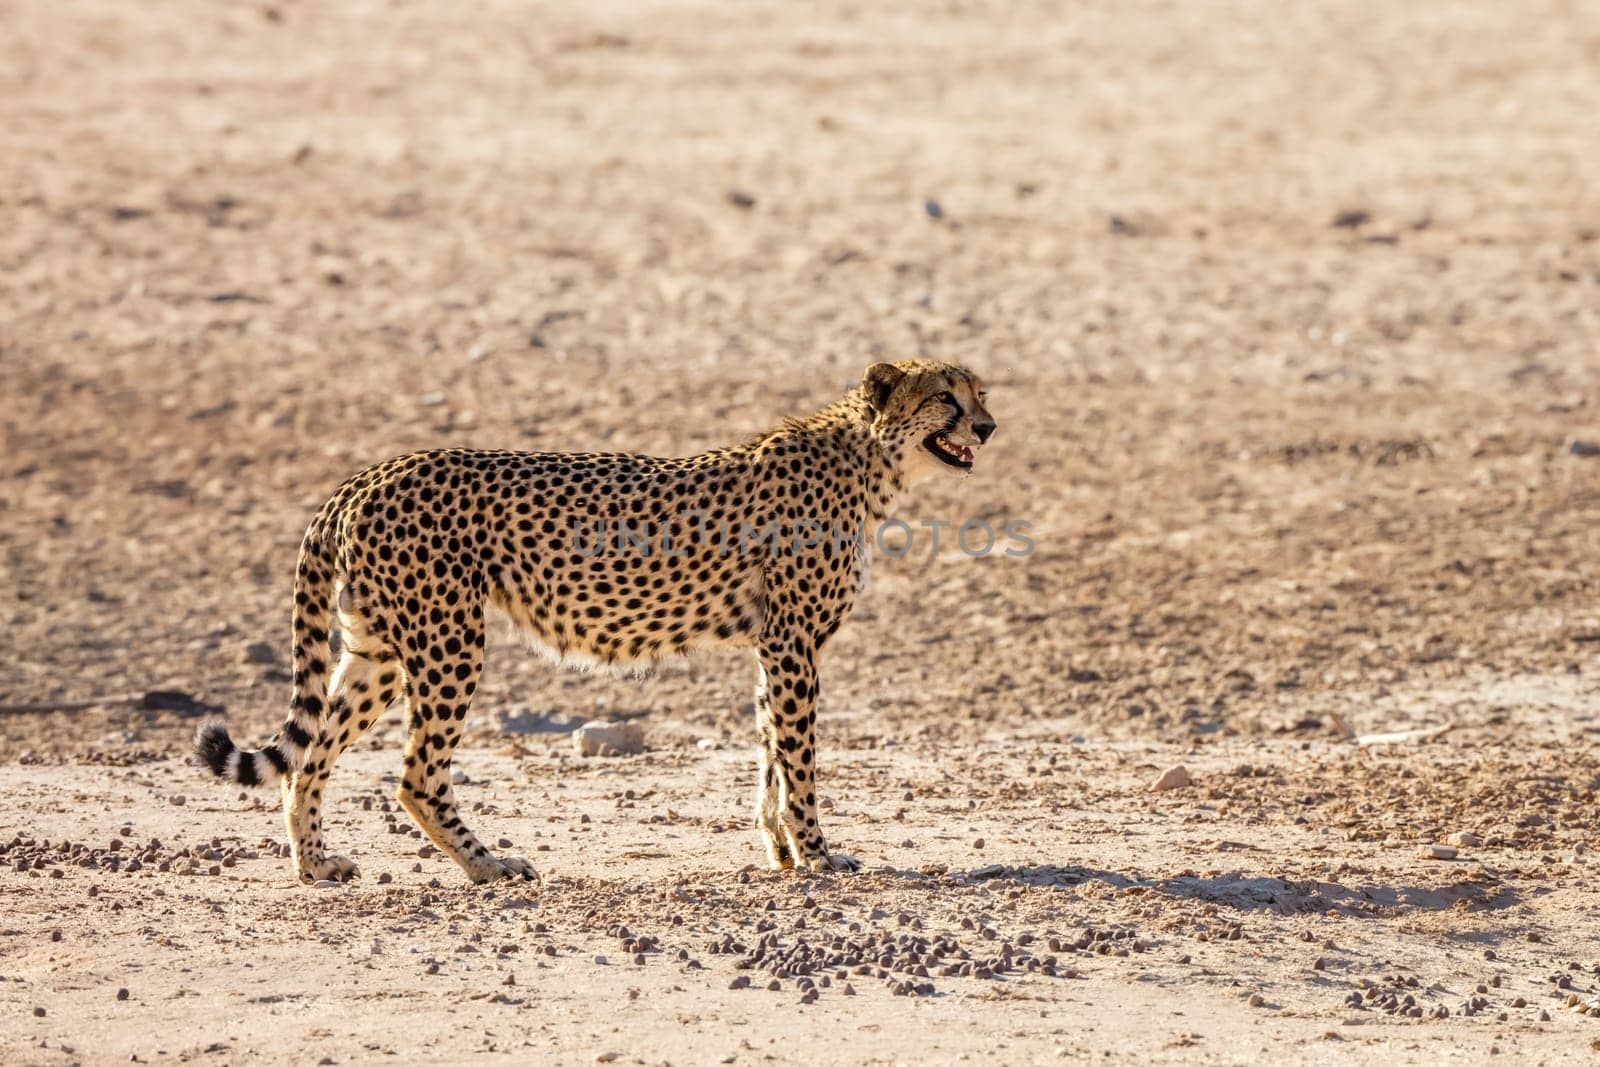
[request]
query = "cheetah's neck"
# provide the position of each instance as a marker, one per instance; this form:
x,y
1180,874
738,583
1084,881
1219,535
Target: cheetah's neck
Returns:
x,y
843,430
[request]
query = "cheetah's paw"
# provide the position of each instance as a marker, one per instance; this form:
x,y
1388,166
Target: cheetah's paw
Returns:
x,y
834,861
502,867
330,868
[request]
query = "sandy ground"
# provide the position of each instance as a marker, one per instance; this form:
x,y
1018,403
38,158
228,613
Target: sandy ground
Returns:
x,y
1291,319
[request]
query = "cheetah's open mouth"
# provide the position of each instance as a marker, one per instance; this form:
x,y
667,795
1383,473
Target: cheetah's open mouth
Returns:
x,y
947,451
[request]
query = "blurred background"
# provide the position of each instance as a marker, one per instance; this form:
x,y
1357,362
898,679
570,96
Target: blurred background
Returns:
x,y
1289,314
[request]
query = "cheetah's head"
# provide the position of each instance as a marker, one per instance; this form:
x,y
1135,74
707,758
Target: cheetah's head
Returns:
x,y
929,417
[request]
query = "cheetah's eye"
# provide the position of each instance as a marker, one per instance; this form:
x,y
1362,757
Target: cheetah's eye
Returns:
x,y
947,398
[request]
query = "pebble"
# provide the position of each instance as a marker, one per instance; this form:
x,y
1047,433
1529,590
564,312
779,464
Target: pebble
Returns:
x,y
1464,839
1172,778
600,738
1438,852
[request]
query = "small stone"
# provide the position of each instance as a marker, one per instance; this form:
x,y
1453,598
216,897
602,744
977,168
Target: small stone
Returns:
x,y
122,994
259,652
1256,1000
978,844
385,878
1586,449
179,800
1464,839
608,738
1438,852
741,982
607,1057
1172,778
741,199
38,1013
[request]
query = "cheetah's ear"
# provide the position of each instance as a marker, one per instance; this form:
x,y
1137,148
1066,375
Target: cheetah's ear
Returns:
x,y
880,380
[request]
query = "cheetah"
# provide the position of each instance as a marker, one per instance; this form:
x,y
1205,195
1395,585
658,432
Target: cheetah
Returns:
x,y
738,546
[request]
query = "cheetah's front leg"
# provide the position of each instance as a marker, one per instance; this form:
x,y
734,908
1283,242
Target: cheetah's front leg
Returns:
x,y
786,810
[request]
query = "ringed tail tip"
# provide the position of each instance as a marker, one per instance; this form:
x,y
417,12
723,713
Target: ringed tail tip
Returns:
x,y
213,745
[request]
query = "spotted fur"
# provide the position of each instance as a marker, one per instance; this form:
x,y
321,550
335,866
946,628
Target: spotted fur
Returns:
x,y
406,557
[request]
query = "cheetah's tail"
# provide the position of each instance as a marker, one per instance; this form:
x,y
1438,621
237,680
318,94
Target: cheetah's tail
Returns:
x,y
313,584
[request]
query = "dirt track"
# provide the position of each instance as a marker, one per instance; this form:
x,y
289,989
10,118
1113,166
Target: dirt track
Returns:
x,y
1291,319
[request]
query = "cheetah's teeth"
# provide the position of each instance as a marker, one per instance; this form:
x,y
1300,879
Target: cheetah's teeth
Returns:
x,y
961,452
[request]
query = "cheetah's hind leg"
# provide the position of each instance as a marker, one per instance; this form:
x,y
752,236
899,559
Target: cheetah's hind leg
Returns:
x,y
444,670
363,685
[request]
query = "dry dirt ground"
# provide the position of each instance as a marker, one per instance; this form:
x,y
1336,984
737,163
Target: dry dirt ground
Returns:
x,y
1291,316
